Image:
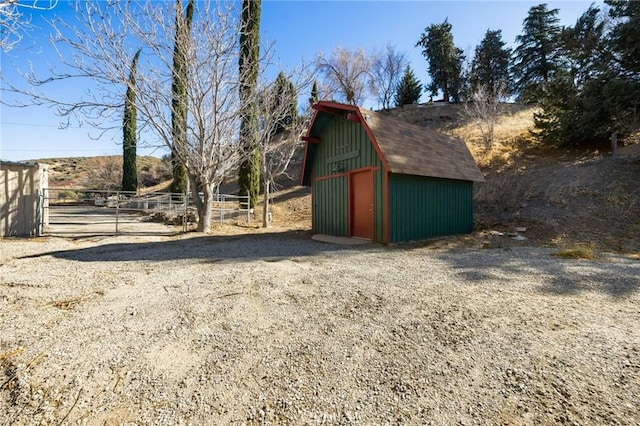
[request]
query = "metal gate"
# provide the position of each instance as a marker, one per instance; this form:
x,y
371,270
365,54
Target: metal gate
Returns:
x,y
73,212
81,212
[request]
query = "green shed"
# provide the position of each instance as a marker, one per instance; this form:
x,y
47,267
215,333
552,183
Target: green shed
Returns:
x,y
379,178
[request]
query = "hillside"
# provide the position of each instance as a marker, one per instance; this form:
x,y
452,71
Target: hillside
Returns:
x,y
563,197
103,172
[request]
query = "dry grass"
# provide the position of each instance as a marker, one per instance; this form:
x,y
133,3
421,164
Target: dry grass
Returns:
x,y
72,302
9,354
577,252
512,135
66,304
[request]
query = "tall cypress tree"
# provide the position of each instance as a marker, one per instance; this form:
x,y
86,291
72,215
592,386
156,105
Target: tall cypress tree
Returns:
x,y
315,96
179,101
409,89
249,173
129,142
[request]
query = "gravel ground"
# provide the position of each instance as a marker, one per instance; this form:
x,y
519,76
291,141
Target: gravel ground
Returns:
x,y
281,329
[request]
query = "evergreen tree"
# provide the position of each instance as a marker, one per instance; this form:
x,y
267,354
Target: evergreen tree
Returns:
x,y
625,35
594,96
315,95
583,46
490,65
249,172
538,56
179,84
129,137
409,89
445,61
553,122
283,90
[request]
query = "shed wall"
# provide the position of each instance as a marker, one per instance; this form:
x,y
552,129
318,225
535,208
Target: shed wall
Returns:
x,y
20,213
344,147
330,210
423,207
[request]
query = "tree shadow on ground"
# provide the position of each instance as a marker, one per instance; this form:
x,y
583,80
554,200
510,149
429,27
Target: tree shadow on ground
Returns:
x,y
617,276
239,248
299,192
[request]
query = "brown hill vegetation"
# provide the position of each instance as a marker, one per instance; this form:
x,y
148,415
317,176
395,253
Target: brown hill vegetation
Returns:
x,y
563,197
102,172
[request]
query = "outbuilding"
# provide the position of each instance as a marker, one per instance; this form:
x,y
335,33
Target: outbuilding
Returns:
x,y
22,208
379,178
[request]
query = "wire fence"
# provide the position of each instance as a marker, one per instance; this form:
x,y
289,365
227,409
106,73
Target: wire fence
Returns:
x,y
70,212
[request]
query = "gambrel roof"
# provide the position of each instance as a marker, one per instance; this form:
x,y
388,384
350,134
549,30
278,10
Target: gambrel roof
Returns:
x,y
403,147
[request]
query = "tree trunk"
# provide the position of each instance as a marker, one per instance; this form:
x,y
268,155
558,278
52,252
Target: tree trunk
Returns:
x,y
205,213
265,205
203,204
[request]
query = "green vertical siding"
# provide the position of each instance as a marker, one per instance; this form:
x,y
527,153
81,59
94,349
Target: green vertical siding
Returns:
x,y
330,214
339,139
422,207
344,147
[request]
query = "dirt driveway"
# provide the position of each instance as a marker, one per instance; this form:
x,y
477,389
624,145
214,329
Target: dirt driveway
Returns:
x,y
280,329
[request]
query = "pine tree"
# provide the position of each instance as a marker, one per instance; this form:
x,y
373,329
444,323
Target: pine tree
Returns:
x,y
594,96
283,90
490,65
583,46
409,89
129,137
538,56
625,36
249,172
179,102
445,61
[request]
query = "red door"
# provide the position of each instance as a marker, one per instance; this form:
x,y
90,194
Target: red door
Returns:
x,y
362,204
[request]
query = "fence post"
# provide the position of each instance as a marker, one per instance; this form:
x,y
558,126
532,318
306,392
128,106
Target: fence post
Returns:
x,y
614,144
222,200
38,212
117,208
185,218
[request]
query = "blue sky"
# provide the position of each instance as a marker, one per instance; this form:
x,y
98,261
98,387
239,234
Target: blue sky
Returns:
x,y
299,30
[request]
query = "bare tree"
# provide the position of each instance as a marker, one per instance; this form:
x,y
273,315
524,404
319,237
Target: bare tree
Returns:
x,y
100,51
483,108
13,22
346,73
387,68
280,129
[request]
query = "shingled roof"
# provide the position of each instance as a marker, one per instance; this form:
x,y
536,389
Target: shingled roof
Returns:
x,y
408,148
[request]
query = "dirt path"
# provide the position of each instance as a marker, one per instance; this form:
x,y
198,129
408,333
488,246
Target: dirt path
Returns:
x,y
280,329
